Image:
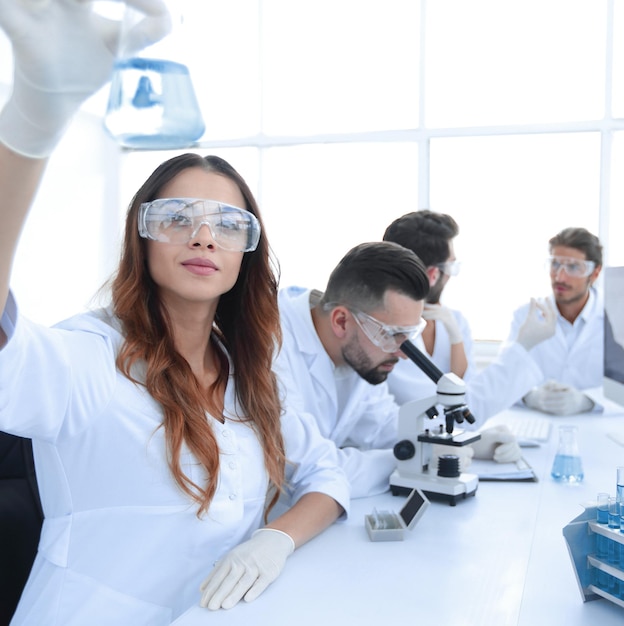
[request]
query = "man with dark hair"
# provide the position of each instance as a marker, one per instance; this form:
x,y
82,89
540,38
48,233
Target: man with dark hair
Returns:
x,y
447,339
339,347
572,360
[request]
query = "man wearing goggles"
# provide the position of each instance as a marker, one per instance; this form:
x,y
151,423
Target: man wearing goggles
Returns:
x,y
572,360
339,347
447,339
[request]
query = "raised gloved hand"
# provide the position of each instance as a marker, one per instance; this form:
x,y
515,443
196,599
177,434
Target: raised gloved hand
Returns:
x,y
63,52
558,399
444,315
247,570
497,443
464,453
540,323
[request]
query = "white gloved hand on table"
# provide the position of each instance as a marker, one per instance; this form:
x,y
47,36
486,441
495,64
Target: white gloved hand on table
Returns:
x,y
63,52
247,570
497,443
444,315
558,399
540,323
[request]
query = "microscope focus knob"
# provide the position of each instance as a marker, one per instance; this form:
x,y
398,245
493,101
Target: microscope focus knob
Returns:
x,y
404,450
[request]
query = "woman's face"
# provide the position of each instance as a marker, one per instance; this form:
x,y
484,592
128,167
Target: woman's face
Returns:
x,y
198,271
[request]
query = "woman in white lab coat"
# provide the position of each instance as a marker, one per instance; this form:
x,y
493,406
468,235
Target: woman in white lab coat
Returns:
x,y
156,425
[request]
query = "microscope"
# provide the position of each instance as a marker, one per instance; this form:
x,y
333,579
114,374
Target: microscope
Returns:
x,y
413,450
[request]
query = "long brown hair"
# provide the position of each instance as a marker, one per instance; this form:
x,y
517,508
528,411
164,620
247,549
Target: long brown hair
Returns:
x,y
246,323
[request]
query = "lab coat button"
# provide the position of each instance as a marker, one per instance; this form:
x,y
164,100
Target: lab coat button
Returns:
x,y
232,465
232,496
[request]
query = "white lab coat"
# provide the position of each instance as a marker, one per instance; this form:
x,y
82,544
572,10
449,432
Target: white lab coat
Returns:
x,y
488,391
579,364
121,544
366,430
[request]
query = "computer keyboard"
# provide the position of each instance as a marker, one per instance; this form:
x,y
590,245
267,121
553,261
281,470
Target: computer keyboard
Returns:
x,y
528,429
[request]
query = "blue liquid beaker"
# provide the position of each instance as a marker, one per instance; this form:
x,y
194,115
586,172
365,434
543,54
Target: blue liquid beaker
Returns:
x,y
567,466
152,105
152,102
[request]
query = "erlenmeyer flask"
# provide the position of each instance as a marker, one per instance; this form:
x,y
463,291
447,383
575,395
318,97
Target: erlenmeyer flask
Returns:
x,y
567,466
152,103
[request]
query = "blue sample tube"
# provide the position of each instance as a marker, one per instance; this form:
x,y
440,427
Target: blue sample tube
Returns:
x,y
614,513
602,508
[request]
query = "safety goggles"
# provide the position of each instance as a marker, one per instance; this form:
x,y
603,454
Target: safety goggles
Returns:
x,y
450,268
388,338
578,268
178,220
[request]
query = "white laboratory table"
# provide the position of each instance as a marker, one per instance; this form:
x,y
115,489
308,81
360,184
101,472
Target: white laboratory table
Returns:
x,y
496,559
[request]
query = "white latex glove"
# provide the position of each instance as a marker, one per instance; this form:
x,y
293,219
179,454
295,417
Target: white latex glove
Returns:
x,y
497,443
540,323
444,315
464,453
247,570
63,52
558,399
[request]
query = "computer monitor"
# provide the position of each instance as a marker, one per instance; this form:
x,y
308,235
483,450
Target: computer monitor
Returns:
x,y
613,383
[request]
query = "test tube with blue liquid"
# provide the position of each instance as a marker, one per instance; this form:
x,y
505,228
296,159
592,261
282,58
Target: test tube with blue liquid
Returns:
x,y
152,102
614,523
602,517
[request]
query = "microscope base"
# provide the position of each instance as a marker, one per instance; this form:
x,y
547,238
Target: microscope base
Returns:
x,y
436,487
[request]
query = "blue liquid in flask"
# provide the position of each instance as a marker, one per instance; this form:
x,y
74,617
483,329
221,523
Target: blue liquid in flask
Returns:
x,y
567,469
152,105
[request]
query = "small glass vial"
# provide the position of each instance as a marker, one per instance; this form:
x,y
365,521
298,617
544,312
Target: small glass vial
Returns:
x,y
602,508
152,103
620,485
567,466
602,517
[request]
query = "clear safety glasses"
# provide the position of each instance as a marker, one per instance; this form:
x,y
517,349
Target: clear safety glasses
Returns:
x,y
388,338
450,268
178,220
578,268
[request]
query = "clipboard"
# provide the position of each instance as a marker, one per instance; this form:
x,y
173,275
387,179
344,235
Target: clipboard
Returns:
x,y
519,471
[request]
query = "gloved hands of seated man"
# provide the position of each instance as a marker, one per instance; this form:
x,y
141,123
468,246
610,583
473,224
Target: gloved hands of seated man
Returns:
x,y
464,453
444,315
63,52
558,399
247,570
497,443
540,323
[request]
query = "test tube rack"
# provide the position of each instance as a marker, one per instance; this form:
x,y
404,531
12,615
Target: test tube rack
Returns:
x,y
597,554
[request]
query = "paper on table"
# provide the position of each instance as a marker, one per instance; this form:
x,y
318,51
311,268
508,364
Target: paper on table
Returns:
x,y
617,436
491,470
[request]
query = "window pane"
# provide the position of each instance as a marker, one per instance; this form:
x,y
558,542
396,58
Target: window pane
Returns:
x,y
510,195
224,65
618,58
491,62
321,200
340,66
615,243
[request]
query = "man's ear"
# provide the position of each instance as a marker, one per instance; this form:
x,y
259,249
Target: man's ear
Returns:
x,y
433,274
338,318
593,277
